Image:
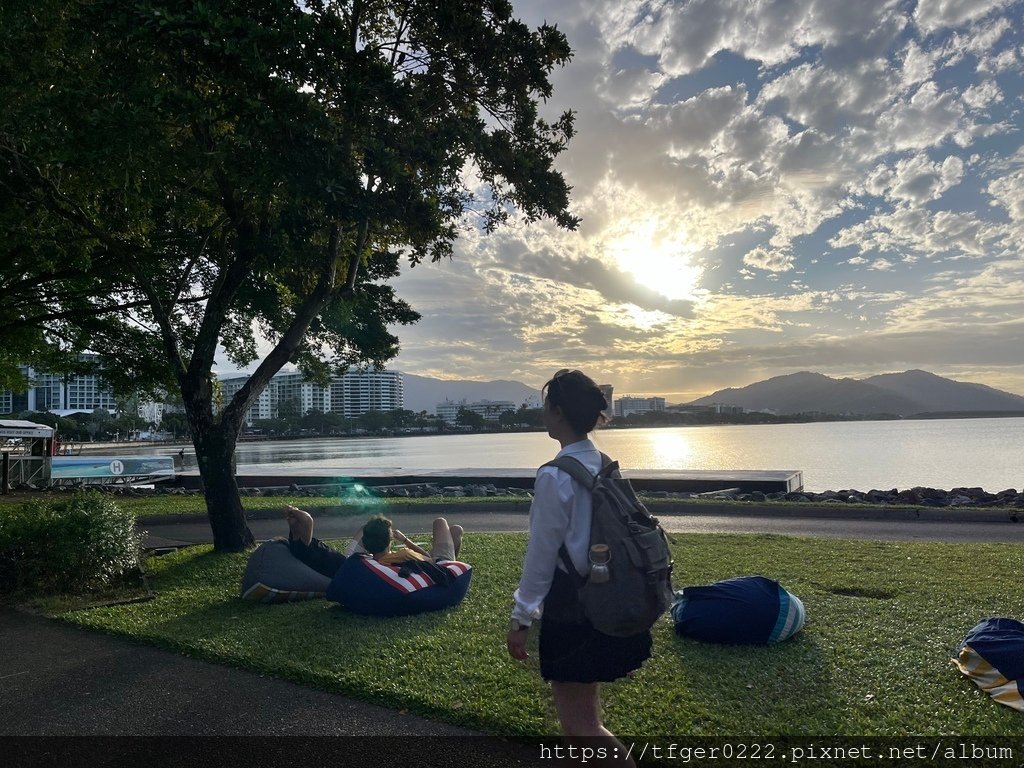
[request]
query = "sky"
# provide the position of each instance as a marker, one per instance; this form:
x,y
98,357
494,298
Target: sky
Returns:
x,y
765,187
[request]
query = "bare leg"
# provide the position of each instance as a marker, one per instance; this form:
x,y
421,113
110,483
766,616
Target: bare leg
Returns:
x,y
579,711
300,524
442,546
457,539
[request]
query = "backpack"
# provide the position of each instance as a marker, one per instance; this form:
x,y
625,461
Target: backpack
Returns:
x,y
639,585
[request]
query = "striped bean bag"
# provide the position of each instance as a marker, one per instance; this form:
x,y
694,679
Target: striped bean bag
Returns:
x,y
367,587
992,655
745,609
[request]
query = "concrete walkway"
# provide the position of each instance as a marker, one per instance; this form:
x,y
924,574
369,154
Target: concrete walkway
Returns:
x,y
60,681
876,523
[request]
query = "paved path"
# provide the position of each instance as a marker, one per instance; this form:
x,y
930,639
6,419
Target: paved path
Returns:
x,y
992,525
58,680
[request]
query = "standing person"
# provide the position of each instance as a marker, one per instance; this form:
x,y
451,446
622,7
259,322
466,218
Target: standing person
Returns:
x,y
574,657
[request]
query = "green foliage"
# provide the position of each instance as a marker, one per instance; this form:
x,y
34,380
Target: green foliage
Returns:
x,y
468,418
183,175
873,659
81,543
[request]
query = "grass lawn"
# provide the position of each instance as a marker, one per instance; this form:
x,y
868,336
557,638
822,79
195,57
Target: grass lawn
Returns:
x,y
883,620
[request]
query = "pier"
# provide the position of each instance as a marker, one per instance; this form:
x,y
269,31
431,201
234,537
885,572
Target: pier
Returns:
x,y
683,481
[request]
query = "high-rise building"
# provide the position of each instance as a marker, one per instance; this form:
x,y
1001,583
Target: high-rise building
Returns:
x,y
62,393
263,408
607,390
351,394
357,392
489,409
628,405
306,395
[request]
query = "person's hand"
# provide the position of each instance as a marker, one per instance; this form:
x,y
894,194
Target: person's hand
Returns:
x,y
516,642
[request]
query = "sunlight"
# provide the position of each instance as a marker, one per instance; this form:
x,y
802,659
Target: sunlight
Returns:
x,y
670,449
658,258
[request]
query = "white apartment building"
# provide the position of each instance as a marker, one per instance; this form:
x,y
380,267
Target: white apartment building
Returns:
x,y
489,409
628,405
307,395
59,393
351,394
357,392
263,408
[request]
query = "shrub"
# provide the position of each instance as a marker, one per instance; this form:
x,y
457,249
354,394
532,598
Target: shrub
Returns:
x,y
79,544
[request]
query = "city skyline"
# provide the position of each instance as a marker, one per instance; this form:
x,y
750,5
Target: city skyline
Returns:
x,y
765,188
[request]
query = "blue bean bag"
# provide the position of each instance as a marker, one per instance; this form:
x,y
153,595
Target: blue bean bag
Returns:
x,y
745,609
992,655
365,586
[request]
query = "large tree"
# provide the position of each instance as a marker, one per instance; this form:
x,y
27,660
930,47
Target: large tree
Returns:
x,y
181,175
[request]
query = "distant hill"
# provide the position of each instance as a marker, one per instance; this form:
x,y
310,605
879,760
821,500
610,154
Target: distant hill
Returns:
x,y
903,394
423,393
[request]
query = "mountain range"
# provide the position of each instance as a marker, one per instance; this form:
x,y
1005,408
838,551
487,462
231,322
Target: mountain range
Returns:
x,y
903,394
423,393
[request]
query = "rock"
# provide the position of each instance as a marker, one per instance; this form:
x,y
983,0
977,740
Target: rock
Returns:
x,y
793,496
929,493
960,500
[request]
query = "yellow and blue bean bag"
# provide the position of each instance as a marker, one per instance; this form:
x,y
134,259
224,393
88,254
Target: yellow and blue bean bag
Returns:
x,y
367,587
745,609
992,655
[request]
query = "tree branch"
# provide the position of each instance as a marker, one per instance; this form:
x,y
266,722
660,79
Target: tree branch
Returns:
x,y
291,338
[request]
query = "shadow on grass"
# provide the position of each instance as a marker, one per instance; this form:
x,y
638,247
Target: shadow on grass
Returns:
x,y
767,688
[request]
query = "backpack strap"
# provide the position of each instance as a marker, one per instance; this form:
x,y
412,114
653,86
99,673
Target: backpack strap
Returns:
x,y
575,469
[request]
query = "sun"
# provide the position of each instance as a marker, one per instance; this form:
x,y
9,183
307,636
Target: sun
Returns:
x,y
659,258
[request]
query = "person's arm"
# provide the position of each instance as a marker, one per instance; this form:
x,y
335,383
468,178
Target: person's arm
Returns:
x,y
549,522
355,546
409,543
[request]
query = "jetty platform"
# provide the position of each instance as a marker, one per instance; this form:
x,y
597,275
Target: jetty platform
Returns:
x,y
682,481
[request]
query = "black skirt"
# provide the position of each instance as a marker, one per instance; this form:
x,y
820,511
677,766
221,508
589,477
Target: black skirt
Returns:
x,y
574,652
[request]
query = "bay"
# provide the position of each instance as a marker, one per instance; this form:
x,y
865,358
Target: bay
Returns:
x,y
940,453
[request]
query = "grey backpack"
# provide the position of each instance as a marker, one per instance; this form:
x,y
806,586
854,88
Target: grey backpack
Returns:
x,y
638,588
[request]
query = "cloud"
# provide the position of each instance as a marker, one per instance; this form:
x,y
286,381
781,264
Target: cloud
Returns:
x,y
772,261
918,180
821,180
1008,193
933,15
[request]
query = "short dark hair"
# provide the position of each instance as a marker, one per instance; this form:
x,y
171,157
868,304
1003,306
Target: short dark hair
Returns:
x,y
579,398
377,534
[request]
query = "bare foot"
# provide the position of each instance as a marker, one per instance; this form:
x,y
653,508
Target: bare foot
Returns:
x,y
300,524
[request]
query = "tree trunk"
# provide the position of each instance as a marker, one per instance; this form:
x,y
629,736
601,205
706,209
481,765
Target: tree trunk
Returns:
x,y
215,453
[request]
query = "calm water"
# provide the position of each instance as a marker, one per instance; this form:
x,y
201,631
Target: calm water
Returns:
x,y
942,453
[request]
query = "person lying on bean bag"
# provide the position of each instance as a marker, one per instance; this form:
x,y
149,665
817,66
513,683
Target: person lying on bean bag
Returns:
x,y
300,568
377,581
745,609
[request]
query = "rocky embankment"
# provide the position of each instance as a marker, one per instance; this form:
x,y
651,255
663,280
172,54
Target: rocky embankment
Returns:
x,y
920,496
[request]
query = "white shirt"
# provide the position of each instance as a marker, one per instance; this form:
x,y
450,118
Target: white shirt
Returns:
x,y
560,513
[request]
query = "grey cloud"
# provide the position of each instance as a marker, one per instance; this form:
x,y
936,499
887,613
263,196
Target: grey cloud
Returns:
x,y
932,15
588,272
